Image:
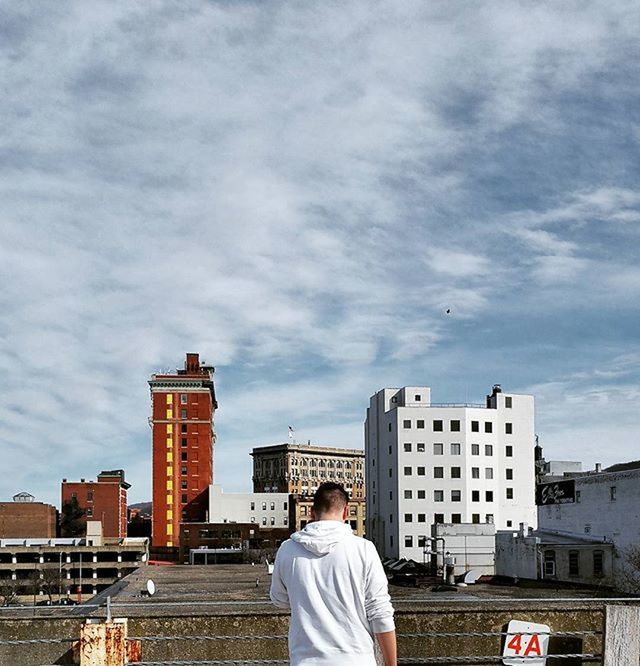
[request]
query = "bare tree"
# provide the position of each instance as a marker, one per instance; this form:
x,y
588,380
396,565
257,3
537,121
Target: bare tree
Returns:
x,y
8,591
631,570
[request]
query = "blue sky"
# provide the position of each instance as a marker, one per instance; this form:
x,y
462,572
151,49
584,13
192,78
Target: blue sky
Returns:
x,y
299,191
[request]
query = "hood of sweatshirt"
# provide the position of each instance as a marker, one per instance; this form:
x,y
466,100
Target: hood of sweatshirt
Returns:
x,y
321,536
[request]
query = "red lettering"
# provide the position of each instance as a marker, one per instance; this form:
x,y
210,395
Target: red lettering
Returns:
x,y
515,643
533,647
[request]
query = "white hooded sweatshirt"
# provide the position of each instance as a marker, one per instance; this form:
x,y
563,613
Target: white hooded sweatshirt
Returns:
x,y
337,591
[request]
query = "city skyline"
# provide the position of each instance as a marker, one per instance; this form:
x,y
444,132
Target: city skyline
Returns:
x,y
323,201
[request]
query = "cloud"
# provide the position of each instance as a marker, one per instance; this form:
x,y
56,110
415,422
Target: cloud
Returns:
x,y
299,193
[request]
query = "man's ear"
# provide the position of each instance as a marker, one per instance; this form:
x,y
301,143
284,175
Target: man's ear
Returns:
x,y
312,514
345,512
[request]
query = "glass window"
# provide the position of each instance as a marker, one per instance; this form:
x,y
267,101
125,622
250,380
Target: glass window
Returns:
x,y
456,495
437,426
438,472
454,425
408,494
420,424
488,472
183,428
475,426
488,426
184,456
509,493
408,542
438,518
422,518
475,518
264,506
438,495
183,485
421,471
456,518
407,447
488,449
509,473
455,472
417,398
475,449
407,471
183,398
89,512
475,495
455,449
183,413
508,428
183,469
408,517
508,402
475,472
438,449
184,499
574,563
489,495
406,423
598,562
612,493
508,451
420,447
421,494
489,519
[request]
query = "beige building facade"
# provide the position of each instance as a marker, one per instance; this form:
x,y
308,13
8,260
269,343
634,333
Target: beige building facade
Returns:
x,y
298,469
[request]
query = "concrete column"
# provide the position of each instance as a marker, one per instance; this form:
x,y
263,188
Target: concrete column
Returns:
x,y
622,636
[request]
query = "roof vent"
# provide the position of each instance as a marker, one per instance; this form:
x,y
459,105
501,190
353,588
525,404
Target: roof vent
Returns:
x,y
497,388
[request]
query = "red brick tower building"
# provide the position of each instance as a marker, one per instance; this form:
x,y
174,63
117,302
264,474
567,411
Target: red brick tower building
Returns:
x,y
104,500
183,405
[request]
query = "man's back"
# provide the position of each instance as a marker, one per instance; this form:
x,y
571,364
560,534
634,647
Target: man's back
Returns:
x,y
337,591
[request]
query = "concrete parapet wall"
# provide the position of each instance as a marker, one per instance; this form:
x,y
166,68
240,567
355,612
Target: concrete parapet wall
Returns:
x,y
414,617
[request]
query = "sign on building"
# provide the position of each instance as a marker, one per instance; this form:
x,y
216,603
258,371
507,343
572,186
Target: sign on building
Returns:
x,y
524,642
556,492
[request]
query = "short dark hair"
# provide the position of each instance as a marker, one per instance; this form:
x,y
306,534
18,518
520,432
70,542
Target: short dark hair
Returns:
x,y
329,498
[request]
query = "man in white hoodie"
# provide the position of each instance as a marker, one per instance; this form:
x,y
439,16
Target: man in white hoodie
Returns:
x,y
336,588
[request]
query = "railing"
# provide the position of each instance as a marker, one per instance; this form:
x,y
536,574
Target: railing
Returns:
x,y
607,632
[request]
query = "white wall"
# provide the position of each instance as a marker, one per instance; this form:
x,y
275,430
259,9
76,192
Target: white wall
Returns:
x,y
516,555
386,458
263,509
473,546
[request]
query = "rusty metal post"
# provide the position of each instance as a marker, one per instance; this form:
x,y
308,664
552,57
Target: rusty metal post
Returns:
x,y
103,643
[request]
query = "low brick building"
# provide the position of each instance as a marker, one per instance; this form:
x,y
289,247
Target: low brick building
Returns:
x,y
104,500
24,518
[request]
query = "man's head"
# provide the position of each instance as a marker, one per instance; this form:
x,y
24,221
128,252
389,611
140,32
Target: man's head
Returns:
x,y
330,502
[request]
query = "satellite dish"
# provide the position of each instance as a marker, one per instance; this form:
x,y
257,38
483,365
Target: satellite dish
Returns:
x,y
151,587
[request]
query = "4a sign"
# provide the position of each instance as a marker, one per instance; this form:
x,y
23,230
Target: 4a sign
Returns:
x,y
524,642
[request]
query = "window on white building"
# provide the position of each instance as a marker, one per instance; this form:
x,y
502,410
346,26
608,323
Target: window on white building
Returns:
x,y
422,517
488,426
438,518
438,495
475,426
408,517
407,471
408,542
456,496
488,496
508,402
475,518
508,451
598,562
456,518
421,471
407,447
408,494
509,493
454,425
488,449
488,472
475,472
421,494
420,424
455,472
438,472
475,495
508,428
475,449
455,449
417,398
420,447
406,423
438,449
508,474
437,426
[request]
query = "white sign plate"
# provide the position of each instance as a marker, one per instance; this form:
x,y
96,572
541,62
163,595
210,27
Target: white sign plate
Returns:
x,y
524,642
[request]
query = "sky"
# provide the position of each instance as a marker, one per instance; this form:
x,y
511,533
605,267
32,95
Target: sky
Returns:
x,y
299,191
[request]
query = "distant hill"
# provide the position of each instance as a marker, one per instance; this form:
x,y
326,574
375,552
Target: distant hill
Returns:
x,y
143,507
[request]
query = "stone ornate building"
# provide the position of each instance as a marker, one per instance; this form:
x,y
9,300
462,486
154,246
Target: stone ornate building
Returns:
x,y
298,469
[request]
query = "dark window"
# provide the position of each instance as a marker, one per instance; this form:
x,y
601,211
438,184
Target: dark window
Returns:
x,y
391,495
183,441
421,494
417,398
420,447
508,451
475,426
574,563
183,485
184,499
508,402
422,518
509,493
475,518
390,451
508,428
438,518
488,449
456,496
509,474
408,494
184,456
438,449
455,472
438,472
408,517
455,426
475,449
406,423
549,562
390,472
598,562
407,471
489,495
253,506
488,426
475,495
183,428
438,495
183,398
407,447
612,493
408,542
89,512
437,426
420,471
456,518
509,523
389,427
183,470
455,449
420,424
89,495
183,413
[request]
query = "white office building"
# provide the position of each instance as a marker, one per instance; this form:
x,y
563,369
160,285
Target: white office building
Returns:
x,y
431,463
263,509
